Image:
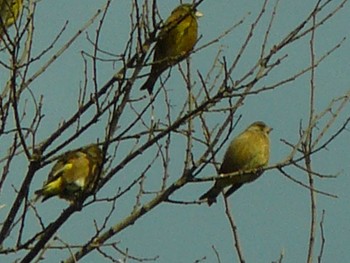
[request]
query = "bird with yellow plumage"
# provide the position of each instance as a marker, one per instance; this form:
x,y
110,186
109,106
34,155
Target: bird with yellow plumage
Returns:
x,y
248,152
9,13
76,172
176,40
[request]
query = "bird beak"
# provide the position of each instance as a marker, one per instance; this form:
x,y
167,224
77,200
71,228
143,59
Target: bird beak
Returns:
x,y
198,14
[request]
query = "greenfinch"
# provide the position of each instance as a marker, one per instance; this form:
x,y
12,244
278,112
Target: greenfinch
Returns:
x,y
175,41
74,173
249,151
9,12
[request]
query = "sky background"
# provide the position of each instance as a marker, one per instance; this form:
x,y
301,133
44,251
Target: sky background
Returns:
x,y
273,213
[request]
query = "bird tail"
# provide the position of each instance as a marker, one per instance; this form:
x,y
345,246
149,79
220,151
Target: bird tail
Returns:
x,y
149,84
232,189
50,189
211,195
41,193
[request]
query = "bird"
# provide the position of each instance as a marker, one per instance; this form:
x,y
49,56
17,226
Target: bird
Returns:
x,y
74,173
176,40
9,13
249,151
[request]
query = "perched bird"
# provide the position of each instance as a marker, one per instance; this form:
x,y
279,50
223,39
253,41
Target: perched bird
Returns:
x,y
9,12
74,173
249,151
175,41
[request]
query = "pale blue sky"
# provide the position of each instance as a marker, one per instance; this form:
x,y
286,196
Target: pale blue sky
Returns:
x,y
273,213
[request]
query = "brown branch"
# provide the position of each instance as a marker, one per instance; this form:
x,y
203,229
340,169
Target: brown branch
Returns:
x,y
233,227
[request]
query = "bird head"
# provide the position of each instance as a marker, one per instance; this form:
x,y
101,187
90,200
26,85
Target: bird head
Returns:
x,y
186,9
94,152
260,127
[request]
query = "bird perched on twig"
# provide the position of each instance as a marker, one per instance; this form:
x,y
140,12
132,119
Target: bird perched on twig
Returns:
x,y
74,173
249,151
175,41
9,12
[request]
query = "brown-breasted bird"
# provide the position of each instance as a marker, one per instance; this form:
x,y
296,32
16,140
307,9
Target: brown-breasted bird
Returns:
x,y
175,41
9,12
74,173
249,151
